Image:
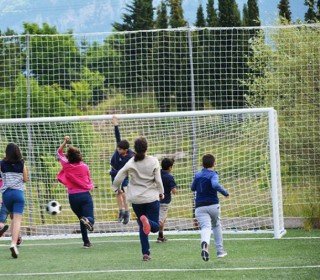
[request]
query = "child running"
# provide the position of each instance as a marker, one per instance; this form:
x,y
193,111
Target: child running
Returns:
x,y
144,190
119,158
169,186
14,174
206,185
75,176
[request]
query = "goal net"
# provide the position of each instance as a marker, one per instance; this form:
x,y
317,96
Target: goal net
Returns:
x,y
244,142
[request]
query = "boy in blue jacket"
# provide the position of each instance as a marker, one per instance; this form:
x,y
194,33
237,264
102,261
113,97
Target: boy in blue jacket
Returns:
x,y
207,209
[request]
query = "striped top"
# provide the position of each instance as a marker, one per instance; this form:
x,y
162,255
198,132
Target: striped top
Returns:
x,y
12,175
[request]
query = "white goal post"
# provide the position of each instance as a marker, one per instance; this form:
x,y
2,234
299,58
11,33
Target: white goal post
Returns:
x,y
244,141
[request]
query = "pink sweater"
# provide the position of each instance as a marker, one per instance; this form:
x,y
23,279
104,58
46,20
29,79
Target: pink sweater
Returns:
x,y
74,176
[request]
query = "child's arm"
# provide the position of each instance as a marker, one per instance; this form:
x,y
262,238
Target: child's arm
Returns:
x,y
215,184
115,122
25,174
64,143
121,175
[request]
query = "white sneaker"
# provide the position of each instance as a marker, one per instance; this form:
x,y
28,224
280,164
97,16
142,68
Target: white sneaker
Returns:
x,y
221,254
14,251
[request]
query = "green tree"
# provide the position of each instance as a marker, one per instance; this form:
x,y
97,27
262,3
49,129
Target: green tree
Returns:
x,y
212,18
161,49
311,14
291,86
200,20
229,58
176,14
318,10
11,59
54,58
253,13
245,15
136,50
284,10
162,17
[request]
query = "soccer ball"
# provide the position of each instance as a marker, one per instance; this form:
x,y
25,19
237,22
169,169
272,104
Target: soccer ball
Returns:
x,y
53,207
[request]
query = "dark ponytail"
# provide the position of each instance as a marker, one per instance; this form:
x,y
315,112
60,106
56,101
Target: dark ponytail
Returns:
x,y
140,146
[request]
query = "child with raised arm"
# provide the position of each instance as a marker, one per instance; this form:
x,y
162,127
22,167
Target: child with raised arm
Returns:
x,y
206,185
144,190
170,187
75,176
14,174
119,158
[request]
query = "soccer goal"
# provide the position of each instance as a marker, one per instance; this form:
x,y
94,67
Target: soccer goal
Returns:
x,y
244,142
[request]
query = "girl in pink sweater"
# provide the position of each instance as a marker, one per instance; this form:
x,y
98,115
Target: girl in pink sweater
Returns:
x,y
75,176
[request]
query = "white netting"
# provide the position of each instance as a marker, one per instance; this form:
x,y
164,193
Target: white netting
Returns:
x,y
239,140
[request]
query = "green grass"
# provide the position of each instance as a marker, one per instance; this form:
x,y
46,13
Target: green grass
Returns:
x,y
295,256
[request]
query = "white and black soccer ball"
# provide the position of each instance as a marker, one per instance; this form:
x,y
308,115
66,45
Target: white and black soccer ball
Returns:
x,y
53,207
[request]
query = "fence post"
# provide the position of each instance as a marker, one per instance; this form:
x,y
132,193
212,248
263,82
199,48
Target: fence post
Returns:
x,y
29,131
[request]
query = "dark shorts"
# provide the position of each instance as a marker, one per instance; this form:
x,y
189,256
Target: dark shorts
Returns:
x,y
14,201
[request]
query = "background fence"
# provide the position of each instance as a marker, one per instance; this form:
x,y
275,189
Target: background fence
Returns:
x,y
179,70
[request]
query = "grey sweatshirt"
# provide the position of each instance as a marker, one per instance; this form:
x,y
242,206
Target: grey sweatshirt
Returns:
x,y
145,182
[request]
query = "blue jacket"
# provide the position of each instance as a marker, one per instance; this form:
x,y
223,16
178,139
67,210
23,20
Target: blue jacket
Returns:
x,y
118,161
206,185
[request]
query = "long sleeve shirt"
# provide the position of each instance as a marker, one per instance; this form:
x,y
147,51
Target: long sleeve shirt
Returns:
x,y
206,185
74,176
145,182
118,161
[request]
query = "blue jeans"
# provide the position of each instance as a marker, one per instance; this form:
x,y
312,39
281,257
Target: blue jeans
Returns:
x,y
14,201
3,213
82,205
151,211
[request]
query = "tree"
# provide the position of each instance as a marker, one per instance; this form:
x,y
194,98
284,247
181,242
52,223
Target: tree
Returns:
x,y
137,46
176,14
245,15
212,18
200,21
229,14
253,13
160,50
54,58
162,18
311,14
318,10
291,86
284,10
139,16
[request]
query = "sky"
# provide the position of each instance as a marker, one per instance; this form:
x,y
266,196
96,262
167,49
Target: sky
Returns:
x,y
83,16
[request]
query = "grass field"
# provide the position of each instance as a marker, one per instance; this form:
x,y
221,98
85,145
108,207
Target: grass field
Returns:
x,y
295,256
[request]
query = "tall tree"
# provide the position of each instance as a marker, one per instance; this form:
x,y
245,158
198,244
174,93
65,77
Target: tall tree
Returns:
x,y
162,17
136,47
284,10
139,16
229,14
229,59
212,18
176,14
318,10
245,15
200,20
311,14
253,13
161,49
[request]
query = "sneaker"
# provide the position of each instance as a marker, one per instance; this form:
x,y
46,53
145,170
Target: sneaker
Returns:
x,y
120,216
145,223
19,241
3,230
221,254
146,258
204,252
14,251
161,239
87,224
126,217
87,245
